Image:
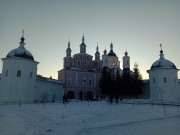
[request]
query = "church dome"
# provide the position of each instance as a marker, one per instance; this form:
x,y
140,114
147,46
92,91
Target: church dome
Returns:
x,y
111,53
163,63
20,52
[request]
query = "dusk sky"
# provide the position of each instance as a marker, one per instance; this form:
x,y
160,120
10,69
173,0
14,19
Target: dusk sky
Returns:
x,y
138,26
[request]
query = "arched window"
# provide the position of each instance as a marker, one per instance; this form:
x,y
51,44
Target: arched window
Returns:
x,y
6,74
84,82
90,82
79,62
31,75
18,73
165,80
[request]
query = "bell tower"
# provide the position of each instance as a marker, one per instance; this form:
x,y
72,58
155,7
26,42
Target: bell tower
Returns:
x,y
68,58
83,45
126,62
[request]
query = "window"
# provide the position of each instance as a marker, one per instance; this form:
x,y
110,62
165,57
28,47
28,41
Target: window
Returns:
x,y
153,80
89,82
31,75
79,63
174,80
6,74
84,82
165,80
18,73
70,81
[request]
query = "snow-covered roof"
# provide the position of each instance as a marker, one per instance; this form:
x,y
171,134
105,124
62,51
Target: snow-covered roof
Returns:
x,y
163,63
20,52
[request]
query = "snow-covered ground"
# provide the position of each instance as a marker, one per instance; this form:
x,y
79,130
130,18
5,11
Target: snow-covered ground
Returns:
x,y
93,118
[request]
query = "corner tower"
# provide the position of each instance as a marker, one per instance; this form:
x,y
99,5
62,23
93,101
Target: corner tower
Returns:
x,y
163,79
18,75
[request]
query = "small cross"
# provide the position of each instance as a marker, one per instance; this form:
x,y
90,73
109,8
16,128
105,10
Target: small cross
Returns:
x,y
161,46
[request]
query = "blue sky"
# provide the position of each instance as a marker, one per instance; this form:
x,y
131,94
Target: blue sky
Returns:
x,y
136,25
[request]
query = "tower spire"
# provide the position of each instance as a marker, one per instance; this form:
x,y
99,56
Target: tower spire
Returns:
x,y
83,38
69,43
111,46
97,48
22,38
161,49
161,52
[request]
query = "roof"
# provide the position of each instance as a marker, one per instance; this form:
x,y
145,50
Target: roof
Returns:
x,y
20,52
163,63
111,53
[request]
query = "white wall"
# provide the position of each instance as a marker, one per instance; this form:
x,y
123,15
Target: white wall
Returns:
x,y
169,89
13,88
48,87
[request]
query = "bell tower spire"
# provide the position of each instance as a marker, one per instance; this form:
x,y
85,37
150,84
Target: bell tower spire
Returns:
x,y
83,38
68,58
68,50
83,45
97,54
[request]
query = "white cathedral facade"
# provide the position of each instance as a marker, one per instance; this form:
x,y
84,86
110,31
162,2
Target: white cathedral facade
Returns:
x,y
19,81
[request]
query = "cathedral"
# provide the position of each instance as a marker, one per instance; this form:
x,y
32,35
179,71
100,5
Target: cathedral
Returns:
x,y
79,78
81,74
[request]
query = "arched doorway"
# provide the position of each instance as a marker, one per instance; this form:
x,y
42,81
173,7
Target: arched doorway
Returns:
x,y
80,95
70,94
89,95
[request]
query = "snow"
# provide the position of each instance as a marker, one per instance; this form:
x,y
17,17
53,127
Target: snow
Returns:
x,y
89,118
